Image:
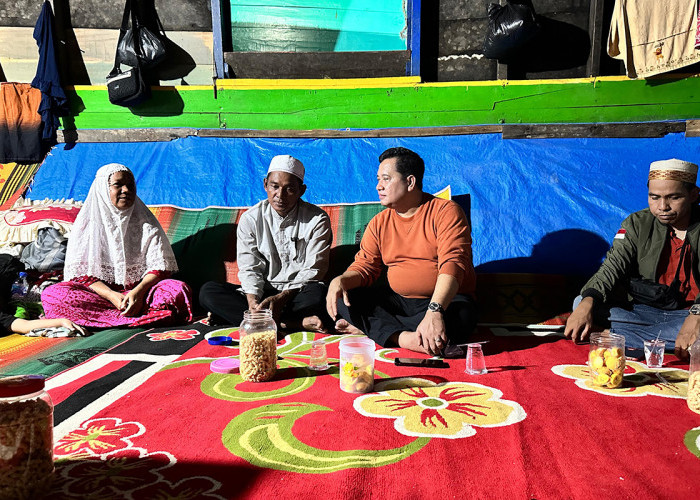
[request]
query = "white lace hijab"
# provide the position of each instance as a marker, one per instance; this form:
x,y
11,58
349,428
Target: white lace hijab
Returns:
x,y
116,246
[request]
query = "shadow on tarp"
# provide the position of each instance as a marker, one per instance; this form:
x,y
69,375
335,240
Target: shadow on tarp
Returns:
x,y
533,289
151,476
203,255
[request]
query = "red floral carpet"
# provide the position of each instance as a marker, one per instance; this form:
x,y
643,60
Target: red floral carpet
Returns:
x,y
148,419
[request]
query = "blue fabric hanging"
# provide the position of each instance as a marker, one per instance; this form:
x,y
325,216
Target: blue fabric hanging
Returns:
x,y
54,102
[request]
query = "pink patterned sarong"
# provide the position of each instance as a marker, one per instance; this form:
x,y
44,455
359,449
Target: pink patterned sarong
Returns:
x,y
167,302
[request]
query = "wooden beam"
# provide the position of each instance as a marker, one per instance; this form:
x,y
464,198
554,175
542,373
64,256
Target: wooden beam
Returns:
x,y
595,31
218,40
554,131
591,130
413,11
318,64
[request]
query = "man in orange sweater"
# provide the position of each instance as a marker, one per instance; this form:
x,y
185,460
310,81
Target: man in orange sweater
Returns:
x,y
425,243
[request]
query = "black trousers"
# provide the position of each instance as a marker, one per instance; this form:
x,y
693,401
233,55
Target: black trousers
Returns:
x,y
227,304
380,312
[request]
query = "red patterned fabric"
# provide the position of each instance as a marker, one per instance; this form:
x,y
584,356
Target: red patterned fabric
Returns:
x,y
89,280
168,301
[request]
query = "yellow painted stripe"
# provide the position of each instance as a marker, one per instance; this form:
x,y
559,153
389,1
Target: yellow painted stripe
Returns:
x,y
403,81
348,83
169,87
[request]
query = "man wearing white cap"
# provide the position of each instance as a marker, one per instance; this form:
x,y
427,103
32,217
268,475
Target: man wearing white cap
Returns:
x,y
283,247
649,283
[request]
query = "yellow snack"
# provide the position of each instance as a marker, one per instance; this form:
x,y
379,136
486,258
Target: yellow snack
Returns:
x,y
616,352
615,379
597,363
349,370
612,362
602,379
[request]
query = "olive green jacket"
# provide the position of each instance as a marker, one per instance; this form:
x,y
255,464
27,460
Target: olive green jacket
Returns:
x,y
636,253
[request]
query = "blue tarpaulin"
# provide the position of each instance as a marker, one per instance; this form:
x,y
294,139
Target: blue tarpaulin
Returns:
x,y
537,205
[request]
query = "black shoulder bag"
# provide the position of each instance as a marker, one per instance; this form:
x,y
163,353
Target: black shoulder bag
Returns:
x,y
658,295
127,88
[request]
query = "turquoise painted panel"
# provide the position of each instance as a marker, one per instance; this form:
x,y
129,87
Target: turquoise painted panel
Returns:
x,y
318,25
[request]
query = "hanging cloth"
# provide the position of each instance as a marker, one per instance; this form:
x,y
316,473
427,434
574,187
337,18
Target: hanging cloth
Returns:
x,y
653,36
20,136
54,102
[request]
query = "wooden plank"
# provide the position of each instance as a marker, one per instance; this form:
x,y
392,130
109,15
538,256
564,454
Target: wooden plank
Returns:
x,y
592,130
558,131
595,30
317,25
317,64
602,100
692,128
218,52
413,38
125,135
168,134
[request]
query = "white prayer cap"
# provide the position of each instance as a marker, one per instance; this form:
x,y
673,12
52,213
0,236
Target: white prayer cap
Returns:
x,y
286,163
674,170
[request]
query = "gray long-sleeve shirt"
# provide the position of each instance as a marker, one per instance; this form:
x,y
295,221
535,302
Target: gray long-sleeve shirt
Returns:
x,y
282,253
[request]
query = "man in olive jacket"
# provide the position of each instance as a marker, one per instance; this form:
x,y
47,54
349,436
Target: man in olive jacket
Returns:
x,y
657,244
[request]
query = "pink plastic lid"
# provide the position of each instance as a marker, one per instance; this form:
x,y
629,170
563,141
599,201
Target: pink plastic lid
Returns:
x,y
225,365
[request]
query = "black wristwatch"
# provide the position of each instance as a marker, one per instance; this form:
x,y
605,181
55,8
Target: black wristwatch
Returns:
x,y
435,307
694,309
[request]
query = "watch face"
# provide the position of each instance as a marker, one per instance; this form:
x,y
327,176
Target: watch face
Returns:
x,y
694,309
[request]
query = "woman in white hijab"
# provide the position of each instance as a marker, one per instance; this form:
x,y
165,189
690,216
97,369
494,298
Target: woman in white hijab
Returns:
x,y
117,262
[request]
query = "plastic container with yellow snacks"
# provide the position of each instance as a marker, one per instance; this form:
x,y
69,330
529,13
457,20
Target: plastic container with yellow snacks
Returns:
x,y
26,437
606,359
357,364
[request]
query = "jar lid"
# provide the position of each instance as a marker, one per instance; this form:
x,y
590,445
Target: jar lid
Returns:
x,y
220,340
224,365
21,385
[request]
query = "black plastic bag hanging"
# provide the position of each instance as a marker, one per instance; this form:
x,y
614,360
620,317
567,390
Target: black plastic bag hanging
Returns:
x,y
510,27
152,45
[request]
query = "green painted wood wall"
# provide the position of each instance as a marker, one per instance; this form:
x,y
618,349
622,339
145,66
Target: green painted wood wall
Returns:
x,y
418,105
317,25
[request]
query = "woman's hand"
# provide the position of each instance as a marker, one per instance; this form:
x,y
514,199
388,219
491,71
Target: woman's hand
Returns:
x,y
115,298
66,323
132,303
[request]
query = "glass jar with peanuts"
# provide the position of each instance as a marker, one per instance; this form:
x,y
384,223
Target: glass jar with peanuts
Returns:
x,y
694,377
258,346
26,437
606,359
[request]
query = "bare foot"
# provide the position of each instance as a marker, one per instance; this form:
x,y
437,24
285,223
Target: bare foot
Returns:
x,y
313,324
343,327
411,341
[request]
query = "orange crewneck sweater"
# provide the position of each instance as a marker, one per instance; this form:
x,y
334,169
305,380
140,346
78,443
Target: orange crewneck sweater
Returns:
x,y
435,240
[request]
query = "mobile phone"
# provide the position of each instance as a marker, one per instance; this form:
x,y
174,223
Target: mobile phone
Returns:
x,y
423,363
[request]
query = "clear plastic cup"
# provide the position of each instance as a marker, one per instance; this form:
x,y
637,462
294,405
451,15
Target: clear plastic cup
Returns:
x,y
318,358
476,363
357,364
654,353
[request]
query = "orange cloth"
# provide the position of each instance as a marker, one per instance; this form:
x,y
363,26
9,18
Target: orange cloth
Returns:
x,y
435,240
20,137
